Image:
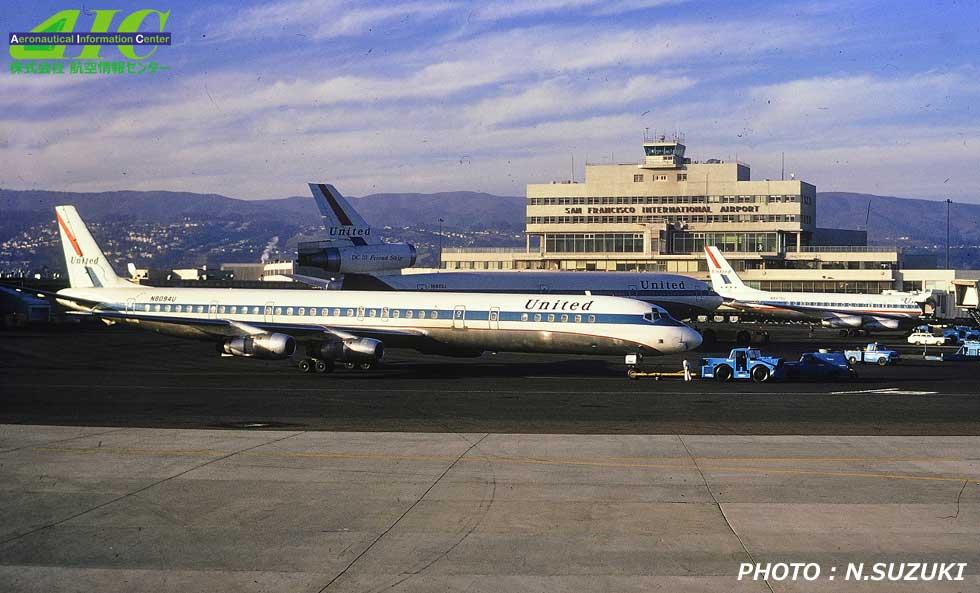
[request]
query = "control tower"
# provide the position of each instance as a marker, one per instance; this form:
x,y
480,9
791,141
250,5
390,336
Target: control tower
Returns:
x,y
663,153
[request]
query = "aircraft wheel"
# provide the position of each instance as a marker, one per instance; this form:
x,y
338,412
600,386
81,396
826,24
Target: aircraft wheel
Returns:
x,y
631,373
305,365
323,366
349,365
723,373
760,374
366,366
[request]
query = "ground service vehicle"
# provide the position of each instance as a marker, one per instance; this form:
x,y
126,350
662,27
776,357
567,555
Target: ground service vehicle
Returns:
x,y
961,333
926,339
968,351
819,365
741,364
873,353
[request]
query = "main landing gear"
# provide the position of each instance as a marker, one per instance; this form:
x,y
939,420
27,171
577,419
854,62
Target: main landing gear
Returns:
x,y
315,365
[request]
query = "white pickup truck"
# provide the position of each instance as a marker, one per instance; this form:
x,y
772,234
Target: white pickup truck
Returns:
x,y
926,339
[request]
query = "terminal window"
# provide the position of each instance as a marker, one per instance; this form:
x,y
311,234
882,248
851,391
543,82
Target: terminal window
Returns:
x,y
594,243
683,242
637,178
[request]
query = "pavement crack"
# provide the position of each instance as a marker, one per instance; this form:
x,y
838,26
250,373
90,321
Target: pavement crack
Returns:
x,y
56,441
485,505
402,516
721,510
143,489
959,495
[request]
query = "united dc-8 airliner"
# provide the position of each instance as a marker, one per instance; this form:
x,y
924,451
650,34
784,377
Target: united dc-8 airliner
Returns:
x,y
320,327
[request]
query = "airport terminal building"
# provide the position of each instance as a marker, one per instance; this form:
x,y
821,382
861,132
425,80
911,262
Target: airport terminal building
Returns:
x,y
658,214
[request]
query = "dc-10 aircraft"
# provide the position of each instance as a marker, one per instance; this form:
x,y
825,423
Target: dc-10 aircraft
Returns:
x,y
372,266
846,311
681,296
324,327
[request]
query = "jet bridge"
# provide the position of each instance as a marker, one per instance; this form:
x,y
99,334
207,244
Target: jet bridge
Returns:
x,y
968,297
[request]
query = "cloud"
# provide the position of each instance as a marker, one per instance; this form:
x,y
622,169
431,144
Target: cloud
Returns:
x,y
321,19
490,108
564,96
522,8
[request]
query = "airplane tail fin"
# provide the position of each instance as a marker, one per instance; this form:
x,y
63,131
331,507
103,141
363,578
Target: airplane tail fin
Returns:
x,y
340,219
87,265
724,280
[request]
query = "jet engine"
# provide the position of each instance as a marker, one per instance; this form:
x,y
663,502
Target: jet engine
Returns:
x,y
880,323
843,321
354,350
265,346
360,259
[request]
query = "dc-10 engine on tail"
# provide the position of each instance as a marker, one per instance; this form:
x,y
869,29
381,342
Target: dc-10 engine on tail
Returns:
x,y
364,259
352,247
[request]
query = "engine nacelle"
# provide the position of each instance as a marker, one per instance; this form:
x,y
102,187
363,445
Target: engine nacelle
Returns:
x,y
265,346
356,350
843,321
880,323
362,259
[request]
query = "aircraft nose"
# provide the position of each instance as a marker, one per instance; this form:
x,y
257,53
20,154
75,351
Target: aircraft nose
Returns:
x,y
688,339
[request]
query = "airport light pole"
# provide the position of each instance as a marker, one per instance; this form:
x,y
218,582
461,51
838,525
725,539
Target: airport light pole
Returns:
x,y
948,202
440,243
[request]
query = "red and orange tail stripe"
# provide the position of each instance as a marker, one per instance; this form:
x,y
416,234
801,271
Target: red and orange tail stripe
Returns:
x,y
69,234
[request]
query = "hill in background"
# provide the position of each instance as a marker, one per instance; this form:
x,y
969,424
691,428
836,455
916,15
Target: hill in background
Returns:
x,y
160,228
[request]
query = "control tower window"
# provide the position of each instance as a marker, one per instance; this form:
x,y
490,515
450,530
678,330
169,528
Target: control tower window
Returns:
x,y
659,150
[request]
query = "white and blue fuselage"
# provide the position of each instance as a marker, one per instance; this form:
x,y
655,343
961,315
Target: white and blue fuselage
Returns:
x,y
439,322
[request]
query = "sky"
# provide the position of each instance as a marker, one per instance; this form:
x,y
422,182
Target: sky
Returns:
x,y
422,96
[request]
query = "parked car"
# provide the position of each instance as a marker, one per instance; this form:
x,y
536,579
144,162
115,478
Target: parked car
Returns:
x,y
926,339
819,365
873,353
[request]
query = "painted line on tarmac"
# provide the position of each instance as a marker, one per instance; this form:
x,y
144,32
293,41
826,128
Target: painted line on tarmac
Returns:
x,y
345,389
884,391
654,463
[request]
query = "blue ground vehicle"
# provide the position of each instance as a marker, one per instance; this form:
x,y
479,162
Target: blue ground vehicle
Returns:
x,y
742,364
961,333
820,365
969,351
873,353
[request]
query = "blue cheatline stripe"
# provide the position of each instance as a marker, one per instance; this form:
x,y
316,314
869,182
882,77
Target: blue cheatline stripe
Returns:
x,y
444,314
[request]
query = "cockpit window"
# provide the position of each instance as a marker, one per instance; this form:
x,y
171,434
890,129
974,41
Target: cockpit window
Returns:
x,y
653,315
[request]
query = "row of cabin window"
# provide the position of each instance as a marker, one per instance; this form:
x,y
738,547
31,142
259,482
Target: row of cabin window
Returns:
x,y
396,313
563,318
868,305
302,311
